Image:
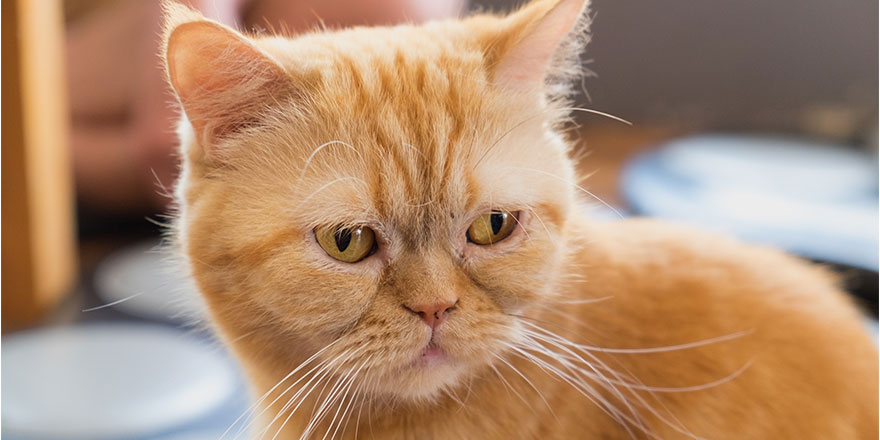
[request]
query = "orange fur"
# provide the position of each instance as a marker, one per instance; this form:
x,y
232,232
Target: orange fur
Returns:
x,y
415,131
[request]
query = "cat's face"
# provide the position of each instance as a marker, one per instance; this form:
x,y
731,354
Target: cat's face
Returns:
x,y
379,192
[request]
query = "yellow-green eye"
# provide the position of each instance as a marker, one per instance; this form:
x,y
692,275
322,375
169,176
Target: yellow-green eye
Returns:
x,y
346,244
491,228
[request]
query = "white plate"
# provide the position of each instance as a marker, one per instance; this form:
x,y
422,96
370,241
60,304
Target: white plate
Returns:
x,y
101,381
816,200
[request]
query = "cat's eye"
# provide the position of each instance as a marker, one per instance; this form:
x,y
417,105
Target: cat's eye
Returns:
x,y
349,245
491,227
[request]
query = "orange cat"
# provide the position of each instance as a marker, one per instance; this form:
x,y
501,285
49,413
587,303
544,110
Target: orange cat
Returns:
x,y
383,223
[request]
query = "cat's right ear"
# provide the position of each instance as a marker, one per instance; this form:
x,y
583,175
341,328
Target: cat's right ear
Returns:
x,y
543,38
223,80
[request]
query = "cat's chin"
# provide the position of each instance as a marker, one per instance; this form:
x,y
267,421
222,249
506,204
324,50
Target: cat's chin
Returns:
x,y
426,380
425,377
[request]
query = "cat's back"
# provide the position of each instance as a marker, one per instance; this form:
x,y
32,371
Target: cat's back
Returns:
x,y
790,347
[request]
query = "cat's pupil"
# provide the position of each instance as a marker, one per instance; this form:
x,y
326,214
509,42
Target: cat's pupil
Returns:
x,y
343,238
497,221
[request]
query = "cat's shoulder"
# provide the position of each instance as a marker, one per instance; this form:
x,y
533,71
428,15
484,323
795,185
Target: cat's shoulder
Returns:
x,y
659,253
658,241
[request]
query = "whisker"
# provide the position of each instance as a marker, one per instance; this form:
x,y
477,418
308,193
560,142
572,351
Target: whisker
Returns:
x,y
510,388
529,382
325,370
163,191
597,376
419,205
584,389
688,389
263,397
111,304
575,371
319,411
342,384
326,185
357,422
552,109
607,383
678,426
528,237
587,301
597,112
344,397
319,376
321,147
300,398
412,147
668,348
663,349
546,229
351,405
584,190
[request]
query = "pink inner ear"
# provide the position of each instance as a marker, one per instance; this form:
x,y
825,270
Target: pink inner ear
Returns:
x,y
203,55
222,79
526,64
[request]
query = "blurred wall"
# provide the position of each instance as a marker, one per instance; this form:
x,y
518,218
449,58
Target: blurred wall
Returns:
x,y
791,65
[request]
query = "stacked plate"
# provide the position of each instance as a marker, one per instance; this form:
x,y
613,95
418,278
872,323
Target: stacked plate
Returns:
x,y
816,200
114,381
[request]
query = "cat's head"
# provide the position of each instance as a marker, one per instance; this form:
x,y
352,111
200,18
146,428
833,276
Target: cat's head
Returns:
x,y
395,194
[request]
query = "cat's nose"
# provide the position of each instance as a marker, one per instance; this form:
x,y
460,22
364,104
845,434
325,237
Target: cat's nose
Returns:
x,y
432,313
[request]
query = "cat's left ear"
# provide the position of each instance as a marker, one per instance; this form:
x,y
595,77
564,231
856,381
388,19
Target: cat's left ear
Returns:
x,y
540,37
222,78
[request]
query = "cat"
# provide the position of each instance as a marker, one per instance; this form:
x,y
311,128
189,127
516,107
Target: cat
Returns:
x,y
383,223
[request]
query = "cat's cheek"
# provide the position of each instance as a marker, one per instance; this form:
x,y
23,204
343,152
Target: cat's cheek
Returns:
x,y
518,281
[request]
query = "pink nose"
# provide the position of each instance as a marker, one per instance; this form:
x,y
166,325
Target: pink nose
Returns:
x,y
433,314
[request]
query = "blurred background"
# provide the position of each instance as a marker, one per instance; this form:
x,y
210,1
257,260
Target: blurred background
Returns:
x,y
750,117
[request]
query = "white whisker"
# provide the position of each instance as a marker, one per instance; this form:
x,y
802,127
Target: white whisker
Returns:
x,y
333,396
326,369
111,304
352,403
412,147
326,185
584,389
357,422
321,147
584,190
263,397
344,397
528,237
546,229
600,378
509,387
597,112
668,348
529,382
630,386
574,370
587,301
543,112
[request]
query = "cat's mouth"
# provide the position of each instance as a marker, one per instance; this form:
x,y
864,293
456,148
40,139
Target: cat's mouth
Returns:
x,y
431,356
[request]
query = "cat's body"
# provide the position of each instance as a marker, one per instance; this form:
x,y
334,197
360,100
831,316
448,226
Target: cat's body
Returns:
x,y
479,303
